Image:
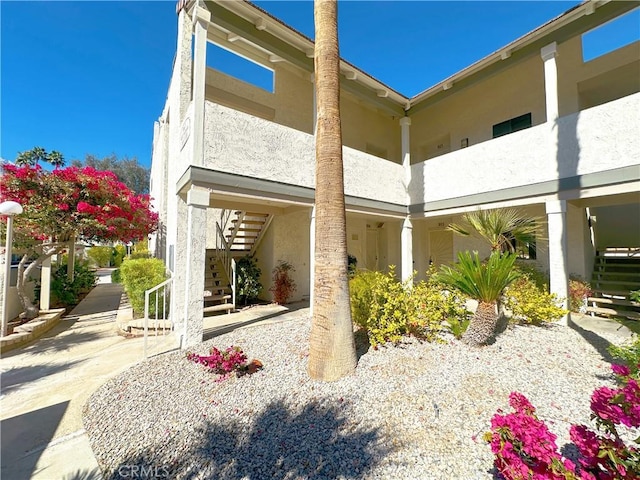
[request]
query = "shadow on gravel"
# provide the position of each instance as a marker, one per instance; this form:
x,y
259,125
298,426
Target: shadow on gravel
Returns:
x,y
596,341
317,441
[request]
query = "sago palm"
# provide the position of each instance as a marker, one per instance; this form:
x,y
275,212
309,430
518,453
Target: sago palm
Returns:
x,y
484,282
499,227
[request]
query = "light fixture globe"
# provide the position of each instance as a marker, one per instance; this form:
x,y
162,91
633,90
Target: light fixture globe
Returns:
x,y
10,208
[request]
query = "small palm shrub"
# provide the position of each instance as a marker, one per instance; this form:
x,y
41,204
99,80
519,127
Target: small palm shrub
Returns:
x,y
635,296
283,285
388,309
482,281
248,285
139,275
529,300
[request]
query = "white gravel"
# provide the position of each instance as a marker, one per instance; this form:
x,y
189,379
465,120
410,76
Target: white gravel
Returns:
x,y
415,411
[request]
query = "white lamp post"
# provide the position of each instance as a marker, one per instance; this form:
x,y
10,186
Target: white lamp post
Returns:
x,y
9,209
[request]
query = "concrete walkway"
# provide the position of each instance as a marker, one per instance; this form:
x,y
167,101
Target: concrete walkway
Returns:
x,y
46,384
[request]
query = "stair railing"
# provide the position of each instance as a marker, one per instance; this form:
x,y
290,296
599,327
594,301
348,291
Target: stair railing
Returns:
x,y
223,254
160,316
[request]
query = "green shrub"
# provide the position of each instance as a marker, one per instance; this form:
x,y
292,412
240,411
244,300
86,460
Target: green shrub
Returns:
x,y
530,303
115,276
118,254
139,275
541,279
67,293
388,309
634,295
628,353
248,284
101,256
140,254
579,290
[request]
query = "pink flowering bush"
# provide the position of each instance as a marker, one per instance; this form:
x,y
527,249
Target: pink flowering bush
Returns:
x,y
525,449
224,363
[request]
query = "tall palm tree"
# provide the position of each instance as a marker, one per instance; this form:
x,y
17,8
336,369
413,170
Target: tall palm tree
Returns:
x,y
499,227
332,353
32,157
484,282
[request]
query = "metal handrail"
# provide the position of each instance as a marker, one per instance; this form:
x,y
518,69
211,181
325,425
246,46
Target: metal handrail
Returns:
x,y
166,286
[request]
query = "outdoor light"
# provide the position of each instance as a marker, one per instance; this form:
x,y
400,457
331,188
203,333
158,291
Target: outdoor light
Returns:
x,y
9,209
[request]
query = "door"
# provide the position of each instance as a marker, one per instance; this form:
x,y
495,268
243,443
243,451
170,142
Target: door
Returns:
x,y
440,247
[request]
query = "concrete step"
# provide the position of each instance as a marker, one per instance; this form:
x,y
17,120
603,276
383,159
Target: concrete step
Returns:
x,y
610,273
248,222
223,307
607,292
614,312
217,297
613,301
623,283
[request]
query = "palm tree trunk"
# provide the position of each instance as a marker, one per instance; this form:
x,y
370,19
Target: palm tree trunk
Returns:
x,y
332,353
483,325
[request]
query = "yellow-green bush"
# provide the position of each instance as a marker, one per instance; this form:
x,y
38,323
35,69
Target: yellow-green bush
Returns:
x,y
139,275
388,309
531,303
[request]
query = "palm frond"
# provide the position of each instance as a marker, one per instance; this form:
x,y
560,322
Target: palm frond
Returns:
x,y
499,227
481,281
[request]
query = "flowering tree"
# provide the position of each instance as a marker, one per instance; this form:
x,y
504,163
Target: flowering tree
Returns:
x,y
68,203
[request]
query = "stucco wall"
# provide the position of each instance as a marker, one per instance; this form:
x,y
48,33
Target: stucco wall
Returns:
x,y
290,104
598,139
287,239
368,130
243,144
472,112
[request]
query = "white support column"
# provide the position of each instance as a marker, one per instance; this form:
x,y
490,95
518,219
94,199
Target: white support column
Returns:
x,y
549,54
45,285
197,204
312,257
406,242
558,265
405,123
201,18
183,66
406,236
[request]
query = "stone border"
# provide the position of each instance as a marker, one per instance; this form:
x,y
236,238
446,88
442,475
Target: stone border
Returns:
x,y
28,332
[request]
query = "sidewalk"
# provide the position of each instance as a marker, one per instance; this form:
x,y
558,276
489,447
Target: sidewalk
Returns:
x,y
46,384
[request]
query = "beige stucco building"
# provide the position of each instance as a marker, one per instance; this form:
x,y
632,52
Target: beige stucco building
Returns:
x,y
532,125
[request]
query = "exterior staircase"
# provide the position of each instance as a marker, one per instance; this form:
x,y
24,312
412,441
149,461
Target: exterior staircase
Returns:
x,y
238,234
217,289
246,230
616,273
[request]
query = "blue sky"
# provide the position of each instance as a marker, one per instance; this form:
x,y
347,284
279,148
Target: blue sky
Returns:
x,y
92,77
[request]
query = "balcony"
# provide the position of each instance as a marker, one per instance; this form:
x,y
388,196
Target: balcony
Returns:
x,y
239,143
594,140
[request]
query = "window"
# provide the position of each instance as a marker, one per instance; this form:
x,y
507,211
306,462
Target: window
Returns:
x,y
513,125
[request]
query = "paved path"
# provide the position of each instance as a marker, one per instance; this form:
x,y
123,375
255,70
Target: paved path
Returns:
x,y
46,383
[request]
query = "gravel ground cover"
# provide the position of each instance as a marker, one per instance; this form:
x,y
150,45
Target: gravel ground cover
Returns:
x,y
414,411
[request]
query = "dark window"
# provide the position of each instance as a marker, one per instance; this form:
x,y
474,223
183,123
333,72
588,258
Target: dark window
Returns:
x,y
513,125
